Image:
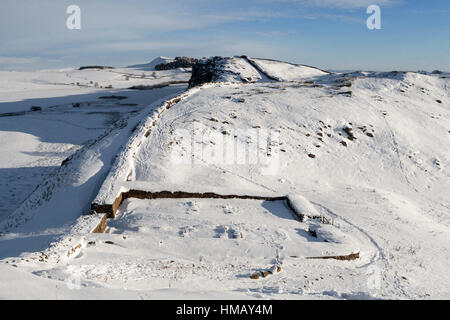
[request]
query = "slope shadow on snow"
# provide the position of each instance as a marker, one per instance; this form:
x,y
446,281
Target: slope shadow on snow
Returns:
x,y
69,126
43,139
123,224
52,219
15,245
305,234
68,193
56,103
26,104
279,209
17,183
334,78
36,143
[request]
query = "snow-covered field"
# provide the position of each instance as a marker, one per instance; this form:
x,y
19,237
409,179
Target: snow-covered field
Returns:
x,y
72,116
365,155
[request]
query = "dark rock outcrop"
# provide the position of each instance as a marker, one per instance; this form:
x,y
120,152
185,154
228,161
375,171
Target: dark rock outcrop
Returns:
x,y
210,70
204,71
180,62
95,67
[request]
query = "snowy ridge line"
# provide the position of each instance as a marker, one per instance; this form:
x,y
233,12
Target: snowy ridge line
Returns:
x,y
108,199
293,64
263,72
286,72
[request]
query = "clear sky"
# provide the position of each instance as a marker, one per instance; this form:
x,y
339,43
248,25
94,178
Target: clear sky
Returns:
x,y
415,34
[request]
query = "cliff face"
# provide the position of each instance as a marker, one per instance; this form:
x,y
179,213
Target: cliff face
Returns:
x,y
225,69
179,62
204,71
243,69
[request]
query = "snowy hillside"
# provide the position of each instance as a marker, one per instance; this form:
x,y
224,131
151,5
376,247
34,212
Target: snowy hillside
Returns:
x,y
283,71
77,109
151,65
264,179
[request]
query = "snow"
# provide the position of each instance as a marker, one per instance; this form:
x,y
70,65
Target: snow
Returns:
x,y
237,69
366,152
303,206
181,245
284,71
38,142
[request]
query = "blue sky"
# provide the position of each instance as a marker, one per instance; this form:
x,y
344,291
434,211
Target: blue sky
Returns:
x,y
415,34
